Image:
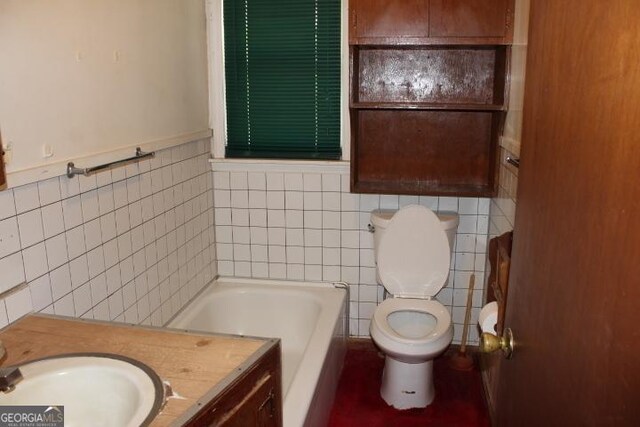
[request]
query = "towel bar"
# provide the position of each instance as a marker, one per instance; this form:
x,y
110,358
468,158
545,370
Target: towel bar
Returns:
x,y
73,171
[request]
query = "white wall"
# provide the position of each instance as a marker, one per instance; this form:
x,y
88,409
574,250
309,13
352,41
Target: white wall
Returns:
x,y
513,124
95,78
503,206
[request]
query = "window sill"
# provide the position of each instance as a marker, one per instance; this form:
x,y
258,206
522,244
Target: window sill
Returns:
x,y
277,165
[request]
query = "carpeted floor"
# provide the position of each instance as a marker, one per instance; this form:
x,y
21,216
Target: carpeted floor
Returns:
x,y
459,400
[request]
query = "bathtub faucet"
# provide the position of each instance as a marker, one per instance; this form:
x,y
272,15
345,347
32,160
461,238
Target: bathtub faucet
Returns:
x,y
9,377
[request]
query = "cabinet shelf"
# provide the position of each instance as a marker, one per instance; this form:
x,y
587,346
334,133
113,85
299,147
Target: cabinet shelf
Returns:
x,y
428,77
424,152
425,106
427,188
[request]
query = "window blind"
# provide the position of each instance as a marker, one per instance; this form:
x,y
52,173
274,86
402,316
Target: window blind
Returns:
x,y
282,71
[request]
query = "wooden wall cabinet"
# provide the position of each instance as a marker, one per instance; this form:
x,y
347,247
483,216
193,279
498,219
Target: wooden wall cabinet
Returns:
x,y
431,21
254,399
388,19
478,19
428,94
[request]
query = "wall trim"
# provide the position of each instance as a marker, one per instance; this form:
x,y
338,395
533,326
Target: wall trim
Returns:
x,y
38,173
277,165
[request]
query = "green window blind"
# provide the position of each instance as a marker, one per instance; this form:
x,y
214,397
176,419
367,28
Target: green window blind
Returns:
x,y
282,71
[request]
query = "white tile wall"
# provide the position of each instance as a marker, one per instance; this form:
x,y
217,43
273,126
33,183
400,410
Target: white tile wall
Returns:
x,y
133,244
136,243
503,206
308,226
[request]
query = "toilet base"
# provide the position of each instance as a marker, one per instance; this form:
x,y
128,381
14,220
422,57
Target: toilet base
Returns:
x,y
407,385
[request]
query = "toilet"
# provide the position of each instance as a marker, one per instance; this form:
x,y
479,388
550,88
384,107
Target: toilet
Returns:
x,y
413,254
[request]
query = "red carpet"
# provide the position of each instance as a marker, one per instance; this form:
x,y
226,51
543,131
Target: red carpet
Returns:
x,y
458,401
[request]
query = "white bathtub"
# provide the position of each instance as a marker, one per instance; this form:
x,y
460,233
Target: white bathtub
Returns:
x,y
310,320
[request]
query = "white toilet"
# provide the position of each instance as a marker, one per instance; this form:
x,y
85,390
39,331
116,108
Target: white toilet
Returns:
x,y
413,255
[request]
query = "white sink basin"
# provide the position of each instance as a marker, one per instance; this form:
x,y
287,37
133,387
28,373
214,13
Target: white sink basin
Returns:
x,y
96,390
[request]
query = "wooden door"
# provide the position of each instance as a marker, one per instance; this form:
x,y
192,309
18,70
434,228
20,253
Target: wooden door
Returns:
x,y
574,293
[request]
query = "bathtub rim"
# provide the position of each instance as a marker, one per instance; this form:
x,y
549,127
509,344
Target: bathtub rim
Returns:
x,y
251,281
294,402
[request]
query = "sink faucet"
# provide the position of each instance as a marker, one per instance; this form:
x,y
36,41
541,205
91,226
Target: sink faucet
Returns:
x,y
9,377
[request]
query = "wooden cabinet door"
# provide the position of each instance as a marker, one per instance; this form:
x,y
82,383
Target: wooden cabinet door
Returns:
x,y
255,407
389,19
253,400
470,18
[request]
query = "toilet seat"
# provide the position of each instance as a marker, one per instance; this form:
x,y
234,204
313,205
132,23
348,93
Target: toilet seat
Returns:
x,y
430,307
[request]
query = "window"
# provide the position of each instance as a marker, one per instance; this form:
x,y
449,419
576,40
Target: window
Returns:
x,y
282,71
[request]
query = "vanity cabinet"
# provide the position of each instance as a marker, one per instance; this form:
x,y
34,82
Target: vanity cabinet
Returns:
x,y
252,399
428,95
214,379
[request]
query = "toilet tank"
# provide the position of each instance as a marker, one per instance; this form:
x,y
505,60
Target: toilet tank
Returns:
x,y
380,219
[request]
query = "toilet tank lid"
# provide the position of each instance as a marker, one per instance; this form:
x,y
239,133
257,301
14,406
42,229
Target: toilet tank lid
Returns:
x,y
382,217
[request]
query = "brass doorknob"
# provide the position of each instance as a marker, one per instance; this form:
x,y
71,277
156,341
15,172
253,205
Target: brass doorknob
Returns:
x,y
490,343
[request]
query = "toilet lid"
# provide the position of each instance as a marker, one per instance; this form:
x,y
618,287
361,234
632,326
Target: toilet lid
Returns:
x,y
414,255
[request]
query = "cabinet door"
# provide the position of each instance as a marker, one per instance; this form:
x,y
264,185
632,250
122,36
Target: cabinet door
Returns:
x,y
392,19
470,18
255,408
252,400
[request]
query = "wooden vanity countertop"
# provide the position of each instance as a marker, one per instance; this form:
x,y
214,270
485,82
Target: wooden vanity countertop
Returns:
x,y
194,364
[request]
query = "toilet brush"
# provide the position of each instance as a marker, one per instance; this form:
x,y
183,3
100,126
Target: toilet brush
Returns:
x,y
462,361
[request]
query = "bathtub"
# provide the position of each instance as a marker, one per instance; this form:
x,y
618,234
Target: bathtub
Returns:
x,y
310,320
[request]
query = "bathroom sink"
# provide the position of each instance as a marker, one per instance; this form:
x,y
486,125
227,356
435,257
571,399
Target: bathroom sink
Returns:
x,y
95,389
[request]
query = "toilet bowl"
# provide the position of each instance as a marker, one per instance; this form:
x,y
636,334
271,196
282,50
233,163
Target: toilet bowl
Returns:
x,y
413,259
